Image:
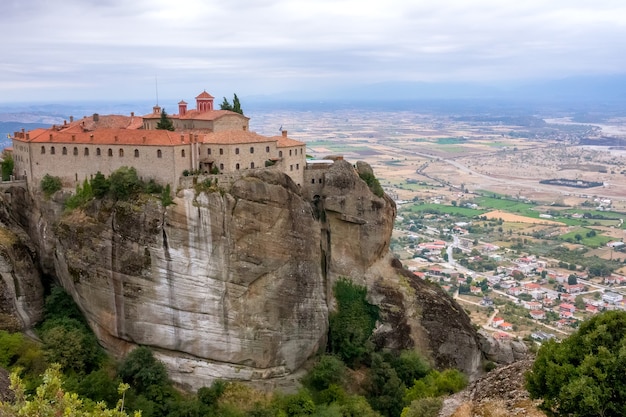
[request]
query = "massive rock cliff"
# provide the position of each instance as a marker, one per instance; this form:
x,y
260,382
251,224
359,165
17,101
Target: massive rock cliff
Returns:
x,y
237,282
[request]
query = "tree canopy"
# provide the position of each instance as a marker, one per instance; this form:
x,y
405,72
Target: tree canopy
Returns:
x,y
165,123
236,106
584,374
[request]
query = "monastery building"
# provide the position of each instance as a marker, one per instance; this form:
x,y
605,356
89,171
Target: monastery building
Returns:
x,y
204,140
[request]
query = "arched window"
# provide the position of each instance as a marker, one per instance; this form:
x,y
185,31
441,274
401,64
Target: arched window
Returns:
x,y
182,153
289,152
251,164
98,152
237,166
110,153
267,149
251,149
43,149
221,151
236,151
159,153
208,151
280,154
86,152
52,150
221,167
313,181
64,151
121,153
75,150
300,151
136,153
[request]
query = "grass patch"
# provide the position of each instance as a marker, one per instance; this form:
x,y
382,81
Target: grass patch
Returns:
x,y
443,209
449,141
592,242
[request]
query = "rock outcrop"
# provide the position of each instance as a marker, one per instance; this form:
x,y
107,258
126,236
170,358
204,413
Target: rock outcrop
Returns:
x,y
237,282
502,351
21,288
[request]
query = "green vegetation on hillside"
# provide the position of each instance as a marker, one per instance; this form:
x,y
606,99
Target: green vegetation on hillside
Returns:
x,y
123,184
376,382
7,166
50,185
372,183
584,374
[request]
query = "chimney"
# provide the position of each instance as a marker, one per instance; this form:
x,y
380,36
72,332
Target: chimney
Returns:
x,y
28,136
182,108
64,122
132,114
96,117
182,138
71,119
90,137
73,137
284,133
144,139
115,138
50,137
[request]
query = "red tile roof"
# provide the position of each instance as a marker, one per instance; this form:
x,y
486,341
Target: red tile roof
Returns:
x,y
204,94
234,136
107,137
283,142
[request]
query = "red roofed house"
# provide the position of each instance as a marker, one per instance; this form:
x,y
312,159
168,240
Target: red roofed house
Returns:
x,y
204,140
497,321
538,314
506,326
567,307
573,289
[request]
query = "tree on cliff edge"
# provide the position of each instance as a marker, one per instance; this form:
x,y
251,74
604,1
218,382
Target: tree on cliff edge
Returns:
x,y
584,374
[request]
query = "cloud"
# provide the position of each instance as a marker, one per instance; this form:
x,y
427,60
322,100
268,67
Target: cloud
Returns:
x,y
114,45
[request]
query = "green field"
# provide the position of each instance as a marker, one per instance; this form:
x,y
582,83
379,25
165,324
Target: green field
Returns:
x,y
512,206
443,209
593,242
450,141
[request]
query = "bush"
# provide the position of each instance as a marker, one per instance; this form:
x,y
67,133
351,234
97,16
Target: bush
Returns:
x,y
353,322
210,395
410,366
373,183
7,166
60,305
141,370
584,374
125,183
50,185
436,384
385,390
329,370
100,185
424,407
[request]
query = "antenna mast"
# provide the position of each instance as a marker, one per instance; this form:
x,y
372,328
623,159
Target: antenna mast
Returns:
x,y
156,87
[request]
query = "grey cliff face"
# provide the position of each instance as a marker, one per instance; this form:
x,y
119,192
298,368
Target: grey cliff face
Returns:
x,y
21,289
237,283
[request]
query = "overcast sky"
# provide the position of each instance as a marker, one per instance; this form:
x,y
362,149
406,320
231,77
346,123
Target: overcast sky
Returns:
x,y
114,49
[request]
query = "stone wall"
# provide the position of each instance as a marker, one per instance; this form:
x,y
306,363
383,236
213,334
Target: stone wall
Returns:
x,y
163,163
229,158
